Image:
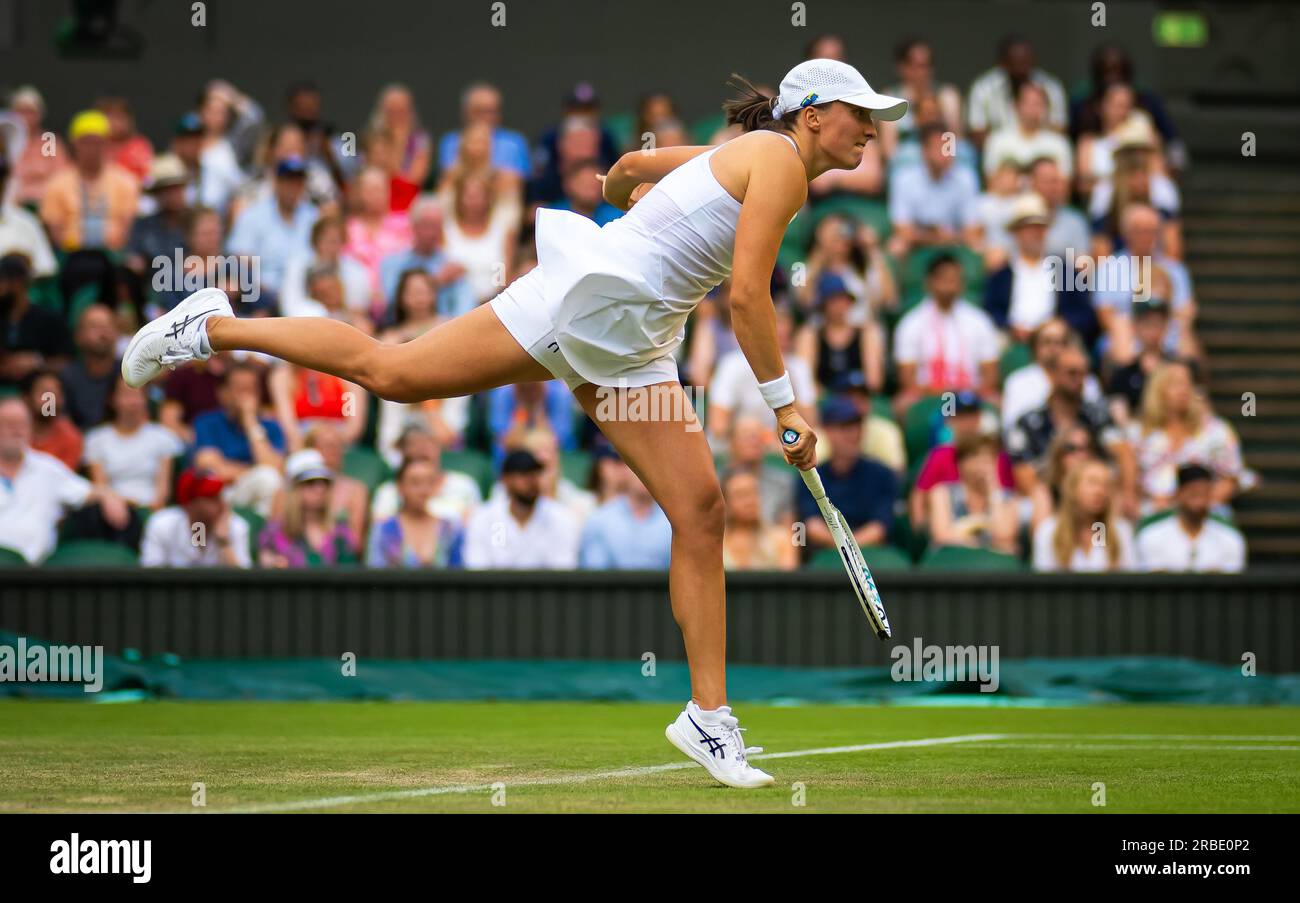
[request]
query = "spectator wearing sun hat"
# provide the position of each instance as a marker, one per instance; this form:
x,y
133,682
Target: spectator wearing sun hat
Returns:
x,y
1032,287
200,530
159,236
92,203
306,535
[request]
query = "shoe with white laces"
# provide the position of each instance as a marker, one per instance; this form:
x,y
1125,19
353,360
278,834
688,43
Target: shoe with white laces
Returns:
x,y
713,740
178,336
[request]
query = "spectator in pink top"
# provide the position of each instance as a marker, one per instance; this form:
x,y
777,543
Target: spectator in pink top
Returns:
x,y
374,231
940,466
42,155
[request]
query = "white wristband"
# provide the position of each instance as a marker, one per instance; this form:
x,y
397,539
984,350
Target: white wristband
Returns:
x,y
778,393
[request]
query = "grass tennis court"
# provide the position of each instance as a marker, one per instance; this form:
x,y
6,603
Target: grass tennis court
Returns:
x,y
589,757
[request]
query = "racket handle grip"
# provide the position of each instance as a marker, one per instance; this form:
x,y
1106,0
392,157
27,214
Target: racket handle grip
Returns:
x,y
811,478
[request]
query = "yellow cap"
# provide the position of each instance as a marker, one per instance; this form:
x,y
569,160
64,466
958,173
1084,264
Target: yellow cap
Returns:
x,y
88,122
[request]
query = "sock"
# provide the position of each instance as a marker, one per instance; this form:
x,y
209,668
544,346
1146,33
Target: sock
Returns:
x,y
205,347
711,714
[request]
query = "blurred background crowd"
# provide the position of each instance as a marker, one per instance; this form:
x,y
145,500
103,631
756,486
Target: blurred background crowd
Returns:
x,y
989,322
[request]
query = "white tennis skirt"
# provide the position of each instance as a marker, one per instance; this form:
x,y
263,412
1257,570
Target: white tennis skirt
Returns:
x,y
587,312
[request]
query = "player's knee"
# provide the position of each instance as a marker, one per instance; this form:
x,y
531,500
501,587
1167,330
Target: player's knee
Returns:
x,y
702,518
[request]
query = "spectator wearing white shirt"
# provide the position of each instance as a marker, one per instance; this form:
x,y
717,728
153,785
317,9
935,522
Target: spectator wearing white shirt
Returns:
x,y
453,495
37,489
1190,540
522,529
21,232
993,94
213,178
1028,138
1086,534
199,531
945,343
1027,388
325,255
1033,287
130,455
734,393
1137,179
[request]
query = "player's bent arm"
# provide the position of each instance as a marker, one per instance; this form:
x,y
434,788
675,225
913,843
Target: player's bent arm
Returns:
x,y
641,166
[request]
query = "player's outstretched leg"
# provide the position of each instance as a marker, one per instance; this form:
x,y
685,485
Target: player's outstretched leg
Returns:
x,y
672,459
471,353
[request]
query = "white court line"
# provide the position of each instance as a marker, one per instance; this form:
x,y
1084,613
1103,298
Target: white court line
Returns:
x,y
1240,738
384,796
1166,746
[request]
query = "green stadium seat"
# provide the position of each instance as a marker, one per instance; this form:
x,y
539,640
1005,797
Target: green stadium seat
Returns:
x,y
11,559
912,281
903,536
473,463
703,130
1015,356
879,558
882,406
866,211
366,465
918,426
255,523
89,553
1151,518
1164,514
576,467
45,293
620,125
794,245
962,558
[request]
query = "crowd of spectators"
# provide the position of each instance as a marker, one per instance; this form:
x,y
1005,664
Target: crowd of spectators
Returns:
x,y
990,323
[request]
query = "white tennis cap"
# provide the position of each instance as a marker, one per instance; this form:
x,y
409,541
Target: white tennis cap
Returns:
x,y
821,81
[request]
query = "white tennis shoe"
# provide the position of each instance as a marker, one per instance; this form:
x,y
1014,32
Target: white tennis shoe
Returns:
x,y
178,336
713,740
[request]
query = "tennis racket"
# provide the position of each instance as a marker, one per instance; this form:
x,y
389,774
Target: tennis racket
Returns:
x,y
864,585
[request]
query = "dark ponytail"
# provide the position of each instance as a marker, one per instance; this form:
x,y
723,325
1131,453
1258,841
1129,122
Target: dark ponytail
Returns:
x,y
751,109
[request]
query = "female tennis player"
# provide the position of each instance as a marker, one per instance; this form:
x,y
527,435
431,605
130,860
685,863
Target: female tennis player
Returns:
x,y
604,311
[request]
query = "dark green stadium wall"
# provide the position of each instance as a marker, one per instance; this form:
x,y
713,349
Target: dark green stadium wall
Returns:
x,y
806,619
684,47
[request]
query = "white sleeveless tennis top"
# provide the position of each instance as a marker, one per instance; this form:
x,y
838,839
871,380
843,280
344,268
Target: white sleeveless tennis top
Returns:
x,y
620,294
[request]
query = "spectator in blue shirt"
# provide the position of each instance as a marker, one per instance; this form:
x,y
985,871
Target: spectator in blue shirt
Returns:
x,y
240,447
481,104
455,296
525,406
277,228
933,203
863,490
584,194
628,532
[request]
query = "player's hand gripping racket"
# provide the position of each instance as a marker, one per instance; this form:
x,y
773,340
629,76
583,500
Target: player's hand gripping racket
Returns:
x,y
864,585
